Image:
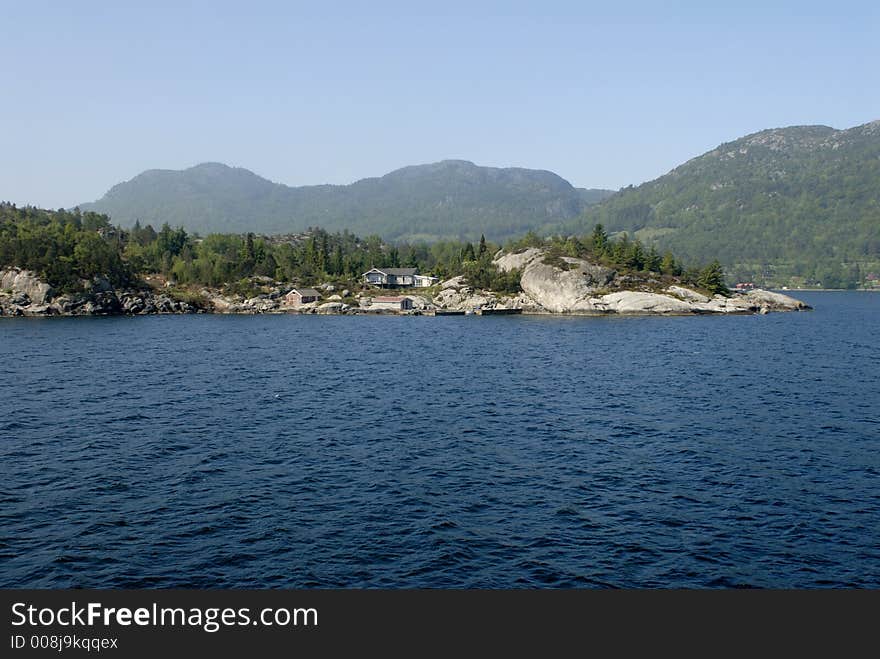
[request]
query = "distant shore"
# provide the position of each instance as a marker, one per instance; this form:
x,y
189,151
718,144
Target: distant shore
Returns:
x,y
827,290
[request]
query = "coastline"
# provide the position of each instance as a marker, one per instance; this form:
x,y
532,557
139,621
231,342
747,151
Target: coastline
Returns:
x,y
356,311
545,290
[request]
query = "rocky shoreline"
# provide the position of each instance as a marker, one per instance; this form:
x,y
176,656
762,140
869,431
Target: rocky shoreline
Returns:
x,y
570,287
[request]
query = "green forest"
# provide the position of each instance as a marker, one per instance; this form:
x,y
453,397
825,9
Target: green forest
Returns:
x,y
795,206
448,200
67,247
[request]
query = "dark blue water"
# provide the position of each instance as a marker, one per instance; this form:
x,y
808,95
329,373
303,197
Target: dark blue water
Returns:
x,y
299,451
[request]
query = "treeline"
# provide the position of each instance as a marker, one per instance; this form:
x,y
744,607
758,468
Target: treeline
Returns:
x,y
315,256
67,247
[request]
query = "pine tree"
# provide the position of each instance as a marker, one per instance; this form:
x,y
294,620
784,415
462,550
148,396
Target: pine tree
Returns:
x,y
599,240
337,266
712,279
668,265
652,260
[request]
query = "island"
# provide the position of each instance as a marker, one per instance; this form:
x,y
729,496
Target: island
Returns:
x,y
68,263
576,288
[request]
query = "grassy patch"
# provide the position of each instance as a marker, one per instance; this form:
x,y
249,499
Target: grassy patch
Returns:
x,y
554,258
192,298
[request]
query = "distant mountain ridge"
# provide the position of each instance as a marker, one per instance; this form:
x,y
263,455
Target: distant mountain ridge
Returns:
x,y
802,199
447,199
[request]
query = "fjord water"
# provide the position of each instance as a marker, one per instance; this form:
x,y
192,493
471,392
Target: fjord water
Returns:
x,y
304,451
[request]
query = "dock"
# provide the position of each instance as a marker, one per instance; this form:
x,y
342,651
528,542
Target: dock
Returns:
x,y
470,312
496,312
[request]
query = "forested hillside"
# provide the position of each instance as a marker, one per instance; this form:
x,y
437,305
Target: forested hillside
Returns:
x,y
448,200
70,248
798,204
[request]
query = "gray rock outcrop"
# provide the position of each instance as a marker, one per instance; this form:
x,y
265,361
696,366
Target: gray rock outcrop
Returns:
x,y
454,282
25,282
686,294
419,302
571,288
570,285
775,301
638,302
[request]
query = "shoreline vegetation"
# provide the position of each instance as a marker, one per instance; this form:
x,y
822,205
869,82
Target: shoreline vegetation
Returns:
x,y
70,263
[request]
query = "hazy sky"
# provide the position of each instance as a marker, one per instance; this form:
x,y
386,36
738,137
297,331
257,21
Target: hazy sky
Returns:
x,y
605,94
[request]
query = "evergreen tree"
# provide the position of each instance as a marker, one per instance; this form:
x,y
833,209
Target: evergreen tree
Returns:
x,y
324,263
337,266
652,260
667,265
599,240
712,279
247,258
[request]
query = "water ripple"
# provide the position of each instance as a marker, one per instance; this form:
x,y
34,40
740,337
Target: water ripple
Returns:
x,y
279,452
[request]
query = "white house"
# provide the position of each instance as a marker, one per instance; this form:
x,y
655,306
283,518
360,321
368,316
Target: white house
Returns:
x,y
391,277
423,281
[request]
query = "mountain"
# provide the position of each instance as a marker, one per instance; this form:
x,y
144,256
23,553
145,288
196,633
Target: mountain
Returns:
x,y
448,199
787,200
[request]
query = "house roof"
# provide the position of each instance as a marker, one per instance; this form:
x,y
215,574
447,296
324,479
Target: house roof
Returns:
x,y
397,272
305,292
389,298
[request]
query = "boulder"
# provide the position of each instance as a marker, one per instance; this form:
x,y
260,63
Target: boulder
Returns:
x,y
221,304
448,298
565,291
335,298
27,282
332,307
455,282
564,286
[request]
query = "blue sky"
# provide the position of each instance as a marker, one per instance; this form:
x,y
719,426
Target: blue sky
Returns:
x,y
604,94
